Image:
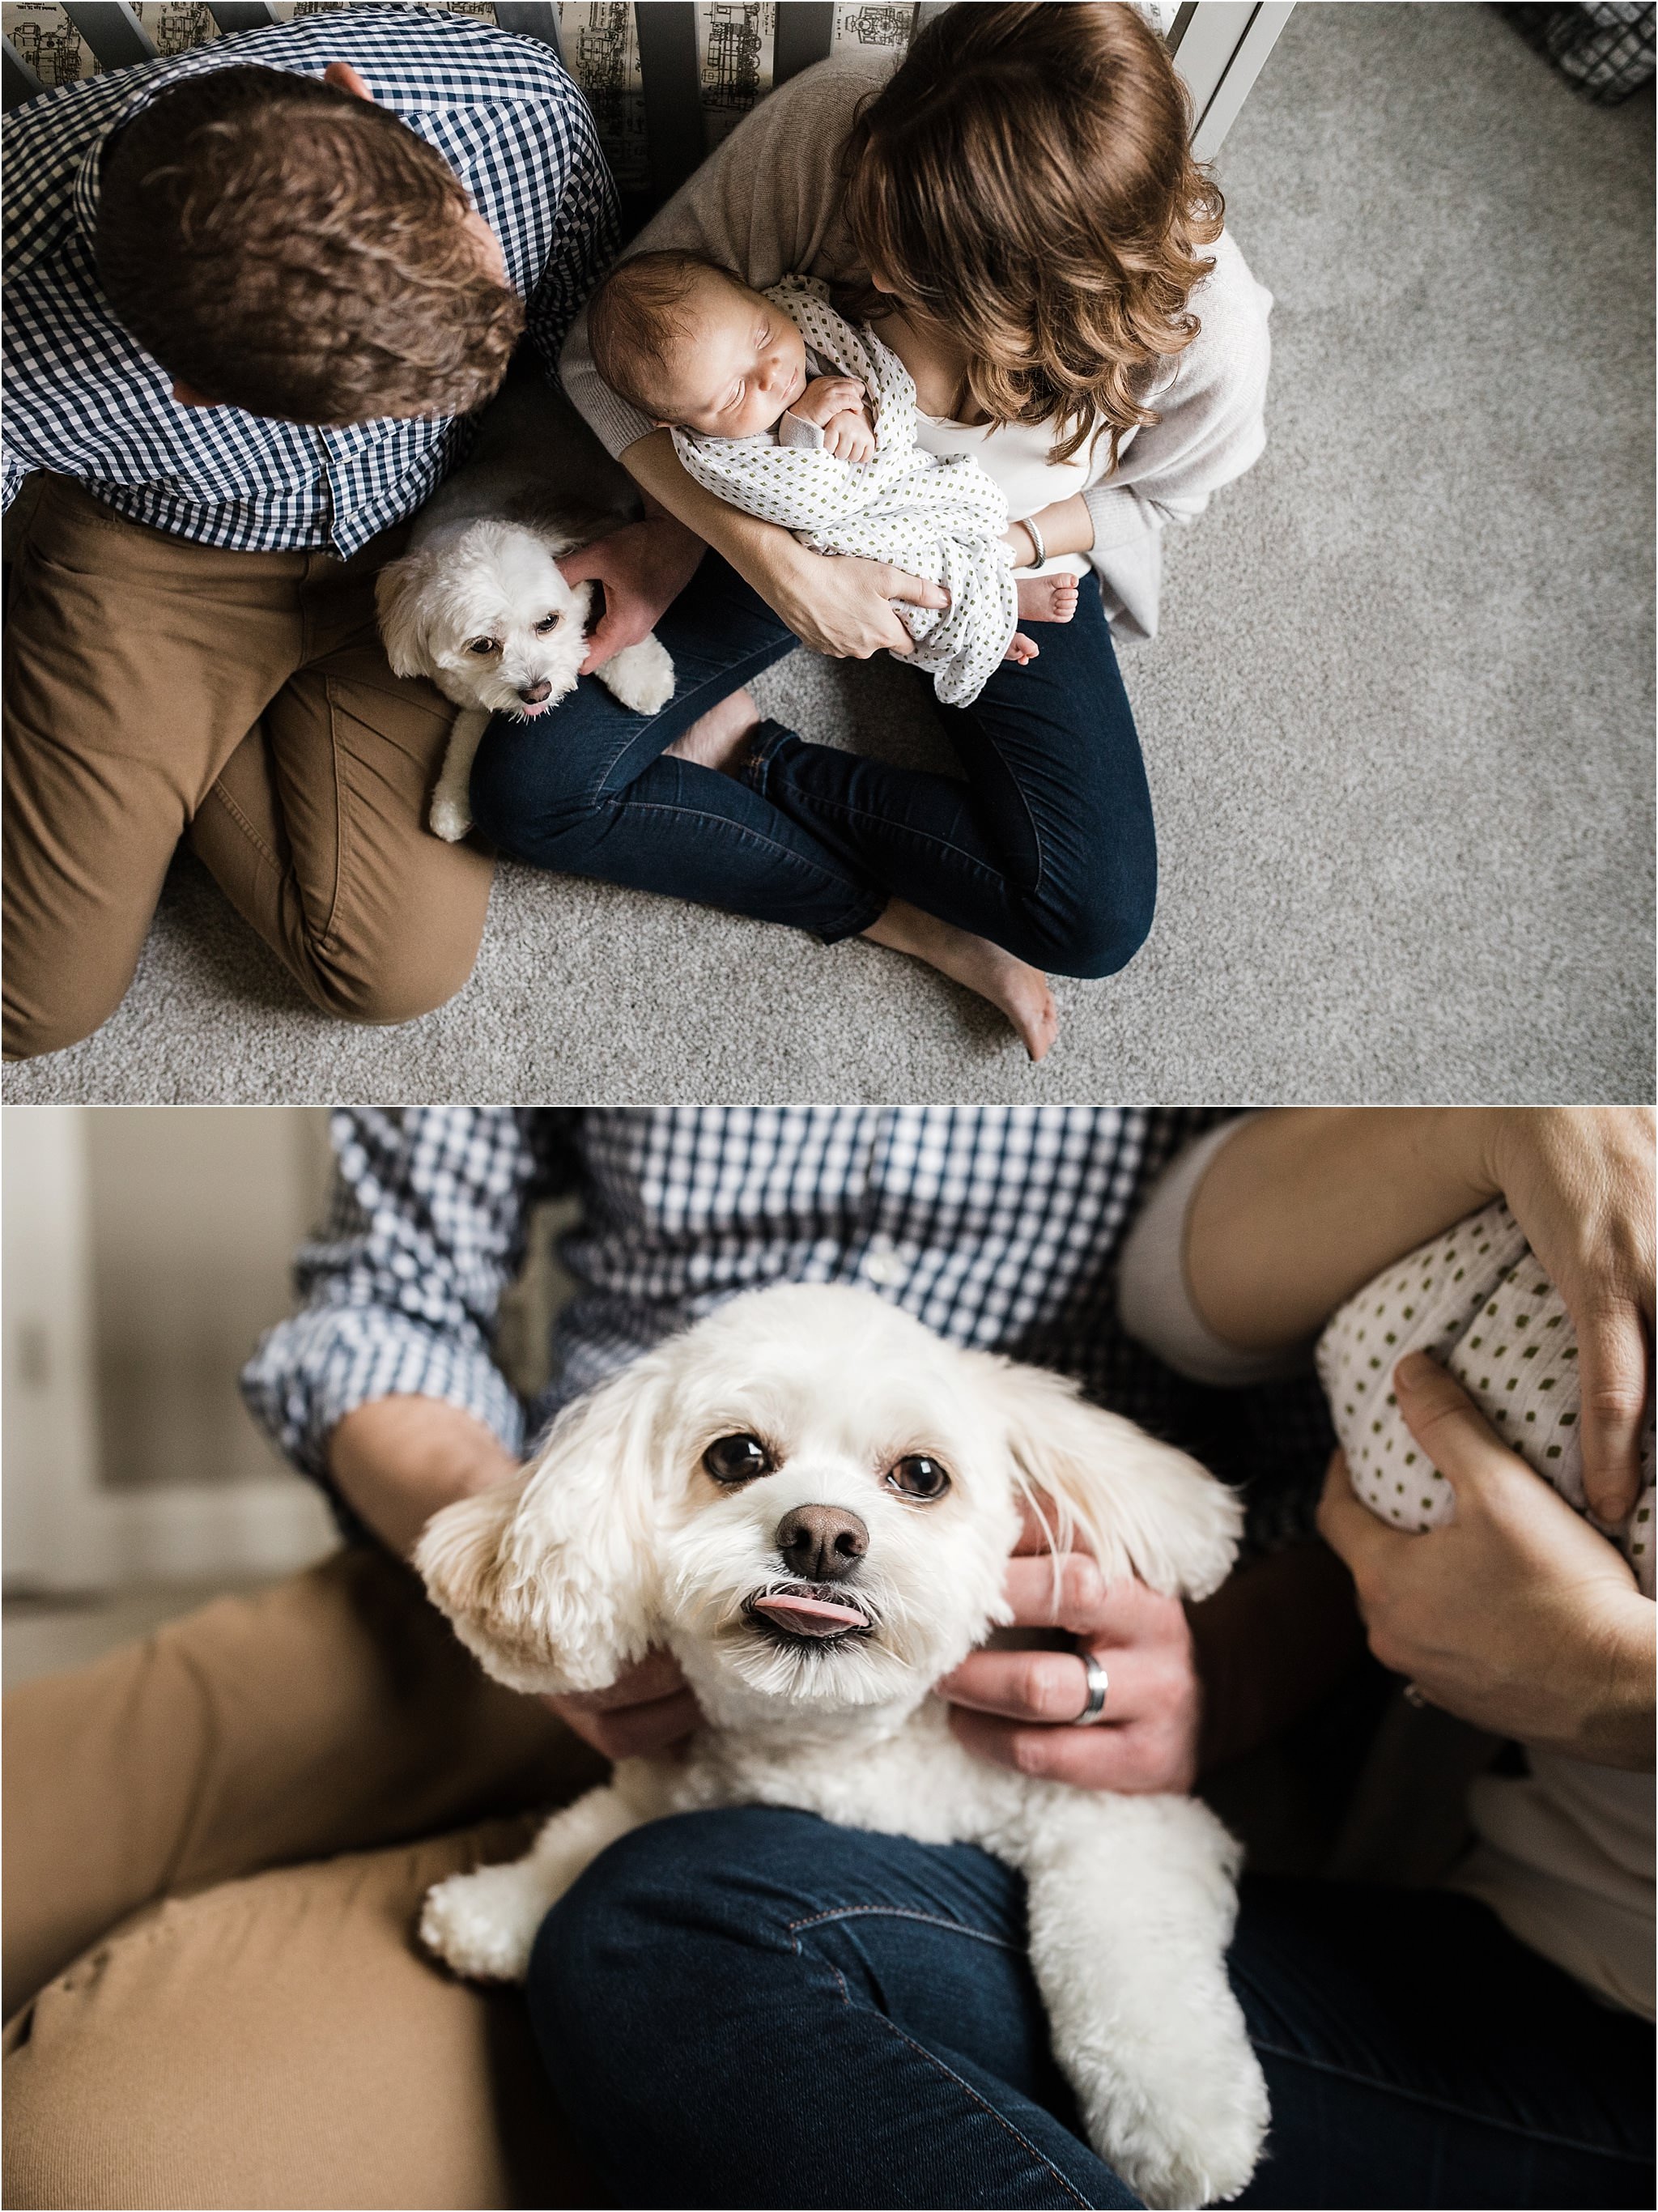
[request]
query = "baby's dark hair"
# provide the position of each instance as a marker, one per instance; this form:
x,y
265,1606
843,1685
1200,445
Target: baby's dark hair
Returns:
x,y
634,323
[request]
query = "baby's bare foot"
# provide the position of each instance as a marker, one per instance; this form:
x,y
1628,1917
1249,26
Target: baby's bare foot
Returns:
x,y
720,738
1021,648
1046,599
1020,991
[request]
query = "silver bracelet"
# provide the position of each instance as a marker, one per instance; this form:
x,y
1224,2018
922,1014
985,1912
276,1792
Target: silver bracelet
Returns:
x,y
1041,560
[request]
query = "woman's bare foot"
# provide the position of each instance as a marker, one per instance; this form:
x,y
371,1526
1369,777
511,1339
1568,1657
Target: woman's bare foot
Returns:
x,y
1020,991
720,739
1046,599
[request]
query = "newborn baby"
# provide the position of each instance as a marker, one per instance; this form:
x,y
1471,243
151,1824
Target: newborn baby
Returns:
x,y
766,395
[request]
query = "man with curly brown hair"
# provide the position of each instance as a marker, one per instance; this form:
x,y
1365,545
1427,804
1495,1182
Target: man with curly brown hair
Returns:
x,y
253,293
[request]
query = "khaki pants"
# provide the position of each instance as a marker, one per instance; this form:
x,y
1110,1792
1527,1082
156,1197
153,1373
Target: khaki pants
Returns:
x,y
215,1846
154,688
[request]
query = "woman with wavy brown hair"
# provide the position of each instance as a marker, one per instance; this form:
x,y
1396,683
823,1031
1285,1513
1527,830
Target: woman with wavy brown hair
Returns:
x,y
1016,208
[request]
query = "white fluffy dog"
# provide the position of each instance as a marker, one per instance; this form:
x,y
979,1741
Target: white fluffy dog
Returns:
x,y
809,1499
478,604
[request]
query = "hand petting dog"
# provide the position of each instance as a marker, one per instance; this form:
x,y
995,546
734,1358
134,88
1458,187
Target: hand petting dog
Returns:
x,y
1019,1708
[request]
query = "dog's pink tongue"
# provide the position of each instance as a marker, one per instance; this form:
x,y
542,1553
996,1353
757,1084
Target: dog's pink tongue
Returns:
x,y
809,1616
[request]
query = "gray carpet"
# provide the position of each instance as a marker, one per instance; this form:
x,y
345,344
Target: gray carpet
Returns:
x,y
1399,724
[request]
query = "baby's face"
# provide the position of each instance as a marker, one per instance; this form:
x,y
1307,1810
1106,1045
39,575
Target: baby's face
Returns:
x,y
745,362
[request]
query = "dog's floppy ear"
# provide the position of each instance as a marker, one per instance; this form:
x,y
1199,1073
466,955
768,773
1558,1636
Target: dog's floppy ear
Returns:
x,y
551,1578
1141,1507
399,596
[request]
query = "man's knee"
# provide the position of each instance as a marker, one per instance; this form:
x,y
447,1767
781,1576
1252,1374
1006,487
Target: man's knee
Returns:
x,y
167,2066
75,1012
396,978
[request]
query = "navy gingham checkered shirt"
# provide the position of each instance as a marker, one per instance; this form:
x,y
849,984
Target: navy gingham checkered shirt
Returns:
x,y
998,1226
85,400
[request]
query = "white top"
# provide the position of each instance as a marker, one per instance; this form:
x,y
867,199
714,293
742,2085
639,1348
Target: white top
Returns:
x,y
1563,1855
1015,458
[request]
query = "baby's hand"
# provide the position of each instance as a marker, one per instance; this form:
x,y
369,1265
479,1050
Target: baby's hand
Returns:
x,y
835,404
850,438
826,397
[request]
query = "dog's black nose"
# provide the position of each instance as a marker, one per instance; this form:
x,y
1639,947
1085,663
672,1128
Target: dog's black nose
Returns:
x,y
533,694
820,1543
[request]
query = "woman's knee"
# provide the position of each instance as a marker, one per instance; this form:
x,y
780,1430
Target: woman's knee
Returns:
x,y
694,1874
528,788
672,1909
1096,929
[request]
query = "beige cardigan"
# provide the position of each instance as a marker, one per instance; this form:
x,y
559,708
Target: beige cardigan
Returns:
x,y
768,202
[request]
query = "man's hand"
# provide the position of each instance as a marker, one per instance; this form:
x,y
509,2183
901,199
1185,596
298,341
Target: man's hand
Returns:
x,y
644,568
645,1713
399,1461
1011,1707
1580,1181
1518,1616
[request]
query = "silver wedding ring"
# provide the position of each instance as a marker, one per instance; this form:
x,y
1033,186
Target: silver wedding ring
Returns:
x,y
1099,1682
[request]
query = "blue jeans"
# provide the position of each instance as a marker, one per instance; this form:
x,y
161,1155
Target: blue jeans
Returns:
x,y
1047,847
752,2008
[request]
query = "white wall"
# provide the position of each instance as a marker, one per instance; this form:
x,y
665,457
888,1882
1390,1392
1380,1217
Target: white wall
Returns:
x,y
144,1250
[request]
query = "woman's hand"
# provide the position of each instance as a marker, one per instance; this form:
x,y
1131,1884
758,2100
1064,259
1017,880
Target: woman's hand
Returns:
x,y
644,1713
644,566
1580,1181
839,605
1517,1616
1014,1707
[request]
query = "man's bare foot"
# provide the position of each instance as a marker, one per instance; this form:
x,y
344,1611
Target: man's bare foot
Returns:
x,y
720,739
1019,990
1021,648
1046,599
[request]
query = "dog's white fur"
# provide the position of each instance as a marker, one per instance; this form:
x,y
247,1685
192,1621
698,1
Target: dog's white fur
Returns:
x,y
617,1539
481,567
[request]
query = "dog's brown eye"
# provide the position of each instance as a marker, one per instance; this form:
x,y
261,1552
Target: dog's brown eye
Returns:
x,y
919,1477
736,1459
482,645
547,623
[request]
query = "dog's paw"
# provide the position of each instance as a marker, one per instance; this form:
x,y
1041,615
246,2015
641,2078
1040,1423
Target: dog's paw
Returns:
x,y
640,676
484,1924
451,818
1195,2142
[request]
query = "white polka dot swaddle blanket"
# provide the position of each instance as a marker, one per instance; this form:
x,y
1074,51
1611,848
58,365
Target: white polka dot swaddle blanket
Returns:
x,y
942,519
1478,1299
